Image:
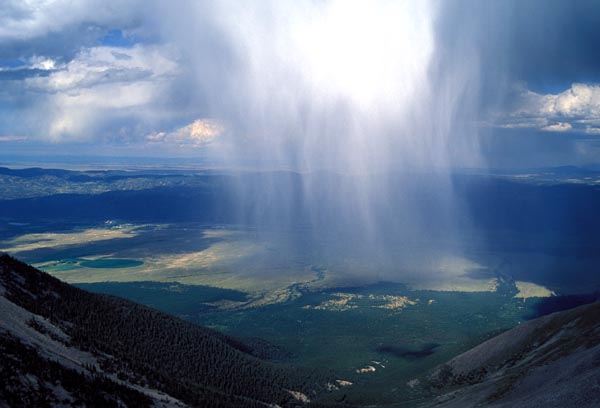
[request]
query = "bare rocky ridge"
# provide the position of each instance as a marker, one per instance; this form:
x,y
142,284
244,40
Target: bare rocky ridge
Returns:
x,y
552,361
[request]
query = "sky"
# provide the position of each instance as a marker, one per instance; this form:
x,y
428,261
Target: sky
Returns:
x,y
353,85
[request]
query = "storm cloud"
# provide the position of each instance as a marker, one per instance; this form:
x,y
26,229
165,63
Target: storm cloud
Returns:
x,y
356,85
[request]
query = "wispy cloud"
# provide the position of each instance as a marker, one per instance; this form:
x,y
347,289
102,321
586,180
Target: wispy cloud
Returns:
x,y
12,139
592,130
558,127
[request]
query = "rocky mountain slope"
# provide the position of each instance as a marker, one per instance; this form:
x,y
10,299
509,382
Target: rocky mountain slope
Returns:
x,y
62,346
552,361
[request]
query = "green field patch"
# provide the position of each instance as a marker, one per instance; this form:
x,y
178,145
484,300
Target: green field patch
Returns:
x,y
377,348
111,263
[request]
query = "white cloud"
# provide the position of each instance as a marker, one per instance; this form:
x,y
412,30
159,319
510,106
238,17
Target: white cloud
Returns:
x,y
42,63
516,122
558,127
575,109
102,84
69,87
199,133
580,100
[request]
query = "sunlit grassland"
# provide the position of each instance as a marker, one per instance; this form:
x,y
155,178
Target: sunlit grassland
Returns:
x,y
264,263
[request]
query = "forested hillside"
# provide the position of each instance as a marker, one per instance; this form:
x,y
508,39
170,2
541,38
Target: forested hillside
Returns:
x,y
138,346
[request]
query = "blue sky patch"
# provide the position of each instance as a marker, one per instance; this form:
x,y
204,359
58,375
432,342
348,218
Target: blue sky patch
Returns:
x,y
115,38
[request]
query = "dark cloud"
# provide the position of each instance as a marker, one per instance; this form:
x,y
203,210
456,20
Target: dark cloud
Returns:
x,y
549,44
555,43
538,69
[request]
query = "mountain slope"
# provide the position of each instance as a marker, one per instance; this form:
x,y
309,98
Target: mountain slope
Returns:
x,y
133,349
552,361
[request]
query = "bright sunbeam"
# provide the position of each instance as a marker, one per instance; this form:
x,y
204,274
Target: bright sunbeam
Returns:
x,y
372,53
335,84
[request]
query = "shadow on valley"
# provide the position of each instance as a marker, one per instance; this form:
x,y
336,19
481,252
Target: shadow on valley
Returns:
x,y
170,297
491,204
546,306
408,352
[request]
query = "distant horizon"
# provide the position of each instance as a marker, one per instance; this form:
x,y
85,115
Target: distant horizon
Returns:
x,y
123,162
